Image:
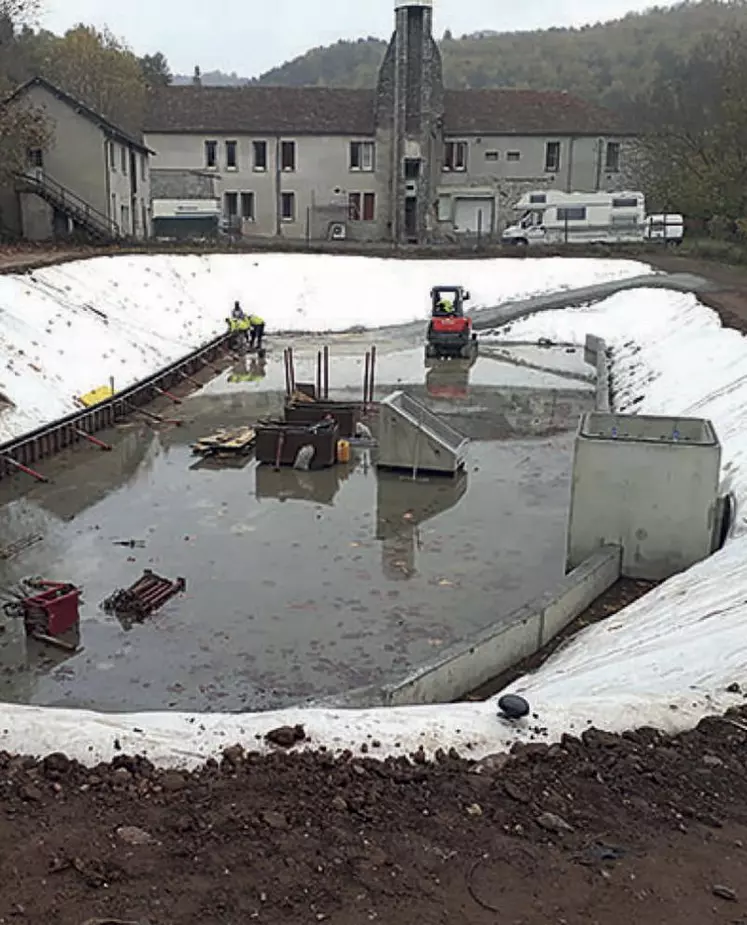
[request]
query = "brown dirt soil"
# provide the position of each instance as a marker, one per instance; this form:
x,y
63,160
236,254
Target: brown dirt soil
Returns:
x,y
729,299
597,830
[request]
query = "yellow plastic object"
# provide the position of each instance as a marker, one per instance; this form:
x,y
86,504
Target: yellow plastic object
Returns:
x,y
96,395
343,451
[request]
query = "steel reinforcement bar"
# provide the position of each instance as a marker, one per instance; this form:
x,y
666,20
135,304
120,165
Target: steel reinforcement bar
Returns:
x,y
49,439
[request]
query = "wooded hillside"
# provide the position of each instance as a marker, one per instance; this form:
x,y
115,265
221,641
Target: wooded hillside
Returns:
x,y
608,63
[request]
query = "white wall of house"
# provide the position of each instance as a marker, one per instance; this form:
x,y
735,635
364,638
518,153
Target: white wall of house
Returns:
x,y
75,156
128,181
283,184
92,164
485,175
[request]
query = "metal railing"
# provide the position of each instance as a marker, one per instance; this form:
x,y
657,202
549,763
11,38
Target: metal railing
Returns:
x,y
39,182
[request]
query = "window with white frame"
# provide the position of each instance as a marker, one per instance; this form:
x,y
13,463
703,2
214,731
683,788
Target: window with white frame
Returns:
x,y
259,155
552,157
288,207
513,156
361,207
112,156
125,154
455,155
362,155
287,155
247,207
491,155
125,219
232,155
211,154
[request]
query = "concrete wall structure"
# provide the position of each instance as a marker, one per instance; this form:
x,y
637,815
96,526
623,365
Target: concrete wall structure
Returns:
x,y
648,484
414,438
595,354
469,664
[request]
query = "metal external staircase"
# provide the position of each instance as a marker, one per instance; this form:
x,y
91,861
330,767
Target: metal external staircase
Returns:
x,y
98,225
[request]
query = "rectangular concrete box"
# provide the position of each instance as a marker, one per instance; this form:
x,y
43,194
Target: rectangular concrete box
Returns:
x,y
413,438
648,484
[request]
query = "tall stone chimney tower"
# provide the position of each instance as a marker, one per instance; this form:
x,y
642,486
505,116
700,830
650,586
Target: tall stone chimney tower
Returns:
x,y
410,117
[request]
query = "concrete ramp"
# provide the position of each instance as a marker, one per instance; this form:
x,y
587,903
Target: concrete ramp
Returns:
x,y
414,439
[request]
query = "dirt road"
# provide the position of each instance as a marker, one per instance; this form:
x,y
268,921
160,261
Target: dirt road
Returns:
x,y
595,831
729,299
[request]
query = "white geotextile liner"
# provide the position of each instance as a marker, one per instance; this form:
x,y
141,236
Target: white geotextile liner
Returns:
x,y
66,330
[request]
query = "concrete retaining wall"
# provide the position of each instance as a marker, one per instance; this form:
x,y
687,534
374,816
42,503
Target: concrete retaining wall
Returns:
x,y
595,354
487,655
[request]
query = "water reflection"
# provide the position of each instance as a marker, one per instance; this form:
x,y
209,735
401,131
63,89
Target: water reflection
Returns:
x,y
248,369
318,486
448,378
403,505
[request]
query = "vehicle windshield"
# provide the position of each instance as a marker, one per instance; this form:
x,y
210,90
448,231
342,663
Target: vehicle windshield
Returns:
x,y
530,218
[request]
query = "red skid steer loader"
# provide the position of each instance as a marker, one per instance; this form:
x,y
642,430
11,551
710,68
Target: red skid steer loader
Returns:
x,y
450,331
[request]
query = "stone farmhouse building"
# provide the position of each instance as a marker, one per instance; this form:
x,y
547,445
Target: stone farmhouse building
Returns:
x,y
407,162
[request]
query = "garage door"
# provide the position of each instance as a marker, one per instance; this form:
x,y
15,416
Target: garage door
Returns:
x,y
473,215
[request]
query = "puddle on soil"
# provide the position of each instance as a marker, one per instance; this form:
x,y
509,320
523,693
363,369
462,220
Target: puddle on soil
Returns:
x,y
298,583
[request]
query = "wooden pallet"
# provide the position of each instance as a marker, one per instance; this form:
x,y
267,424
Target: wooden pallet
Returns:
x,y
226,442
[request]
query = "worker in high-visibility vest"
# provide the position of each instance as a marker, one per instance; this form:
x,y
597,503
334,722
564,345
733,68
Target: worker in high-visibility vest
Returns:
x,y
256,331
239,328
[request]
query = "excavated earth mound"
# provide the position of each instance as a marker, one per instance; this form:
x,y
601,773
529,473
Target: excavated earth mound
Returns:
x,y
597,829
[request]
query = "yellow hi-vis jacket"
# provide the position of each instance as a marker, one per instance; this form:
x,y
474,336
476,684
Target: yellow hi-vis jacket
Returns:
x,y
239,324
254,320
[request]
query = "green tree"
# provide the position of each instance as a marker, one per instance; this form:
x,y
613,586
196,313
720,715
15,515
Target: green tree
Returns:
x,y
693,153
156,71
21,126
97,68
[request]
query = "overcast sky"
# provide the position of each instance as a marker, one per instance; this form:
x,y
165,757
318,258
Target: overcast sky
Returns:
x,y
249,36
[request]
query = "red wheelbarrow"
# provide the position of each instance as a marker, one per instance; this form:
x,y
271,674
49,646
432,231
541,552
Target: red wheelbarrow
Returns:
x,y
53,610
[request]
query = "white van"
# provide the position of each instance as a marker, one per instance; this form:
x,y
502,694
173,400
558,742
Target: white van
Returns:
x,y
668,228
556,217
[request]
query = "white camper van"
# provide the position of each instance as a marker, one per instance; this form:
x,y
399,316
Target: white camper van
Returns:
x,y
555,217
